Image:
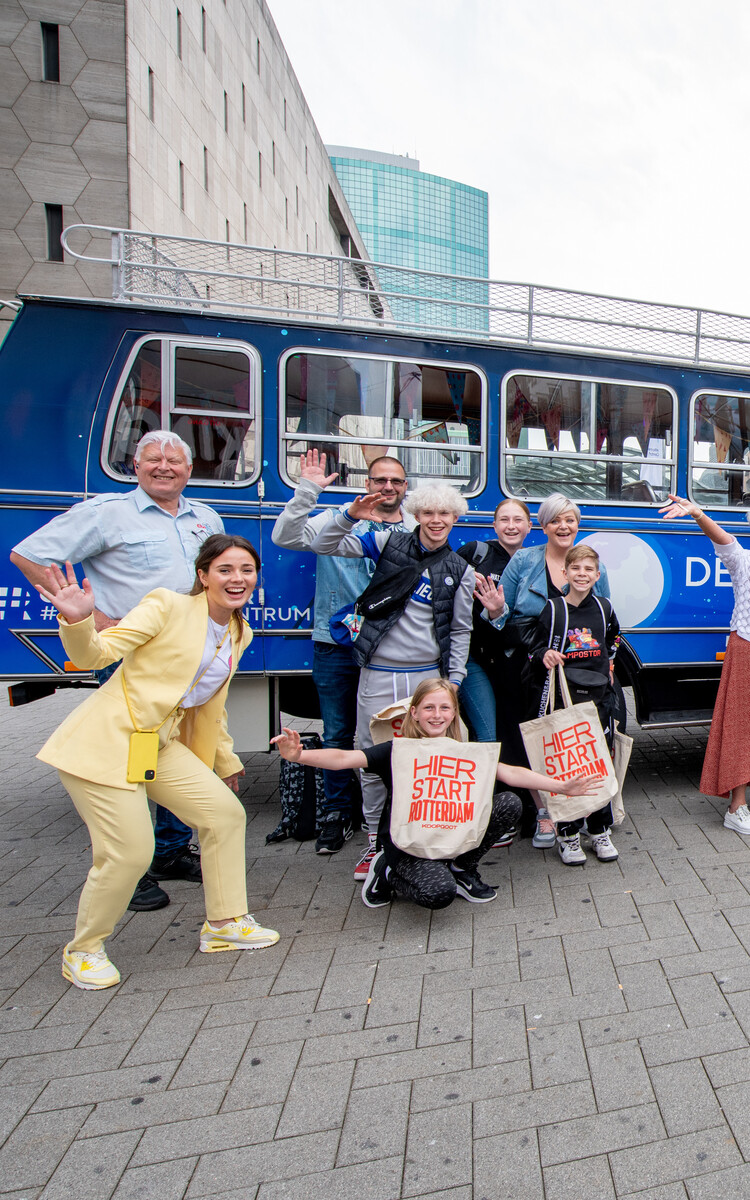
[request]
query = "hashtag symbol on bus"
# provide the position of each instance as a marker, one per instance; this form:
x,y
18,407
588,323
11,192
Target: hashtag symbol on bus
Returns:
x,y
48,612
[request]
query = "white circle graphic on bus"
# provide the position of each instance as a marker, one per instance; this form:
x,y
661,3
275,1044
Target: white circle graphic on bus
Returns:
x,y
636,576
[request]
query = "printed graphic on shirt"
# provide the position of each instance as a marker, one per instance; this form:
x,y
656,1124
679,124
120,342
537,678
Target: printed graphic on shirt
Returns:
x,y
582,644
423,592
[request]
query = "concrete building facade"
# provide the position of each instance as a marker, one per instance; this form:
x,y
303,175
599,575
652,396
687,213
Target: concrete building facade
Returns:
x,y
172,117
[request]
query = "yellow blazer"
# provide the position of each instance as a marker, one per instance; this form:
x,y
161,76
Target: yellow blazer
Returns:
x,y
161,642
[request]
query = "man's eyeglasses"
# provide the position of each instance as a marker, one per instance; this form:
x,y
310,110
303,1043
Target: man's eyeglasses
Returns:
x,y
381,483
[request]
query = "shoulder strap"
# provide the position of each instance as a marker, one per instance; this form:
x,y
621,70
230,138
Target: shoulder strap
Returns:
x,y
559,624
606,614
480,553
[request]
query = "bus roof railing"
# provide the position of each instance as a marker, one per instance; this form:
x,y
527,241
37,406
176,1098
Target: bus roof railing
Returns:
x,y
234,278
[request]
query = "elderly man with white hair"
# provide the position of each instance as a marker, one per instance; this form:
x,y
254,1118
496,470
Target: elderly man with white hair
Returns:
x,y
420,620
129,543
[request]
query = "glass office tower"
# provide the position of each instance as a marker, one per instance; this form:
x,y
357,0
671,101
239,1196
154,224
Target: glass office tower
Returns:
x,y
420,221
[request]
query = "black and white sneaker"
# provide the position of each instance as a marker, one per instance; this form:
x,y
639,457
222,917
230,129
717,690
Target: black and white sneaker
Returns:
x,y
334,833
471,887
376,890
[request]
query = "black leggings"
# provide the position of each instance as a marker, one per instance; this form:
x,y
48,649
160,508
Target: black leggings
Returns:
x,y
429,881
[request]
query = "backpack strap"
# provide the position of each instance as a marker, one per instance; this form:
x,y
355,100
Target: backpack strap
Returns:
x,y
479,555
557,635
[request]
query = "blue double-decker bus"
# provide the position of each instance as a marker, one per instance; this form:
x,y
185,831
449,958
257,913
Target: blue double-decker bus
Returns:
x,y
254,356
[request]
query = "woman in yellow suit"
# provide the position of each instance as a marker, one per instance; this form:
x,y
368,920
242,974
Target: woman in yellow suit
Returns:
x,y
179,653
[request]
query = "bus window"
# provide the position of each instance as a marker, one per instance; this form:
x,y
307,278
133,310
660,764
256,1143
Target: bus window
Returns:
x,y
592,439
205,395
357,409
720,462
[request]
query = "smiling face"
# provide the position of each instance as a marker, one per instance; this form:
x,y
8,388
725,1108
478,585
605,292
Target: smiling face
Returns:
x,y
582,575
561,530
229,582
387,476
434,713
434,526
163,471
511,526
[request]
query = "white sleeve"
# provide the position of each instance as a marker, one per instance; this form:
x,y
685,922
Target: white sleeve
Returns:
x,y
295,529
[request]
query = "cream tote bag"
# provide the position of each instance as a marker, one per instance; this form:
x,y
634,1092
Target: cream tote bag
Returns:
x,y
442,795
565,742
386,724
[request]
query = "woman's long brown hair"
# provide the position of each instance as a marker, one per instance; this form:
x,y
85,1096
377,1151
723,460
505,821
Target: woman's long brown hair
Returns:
x,y
213,547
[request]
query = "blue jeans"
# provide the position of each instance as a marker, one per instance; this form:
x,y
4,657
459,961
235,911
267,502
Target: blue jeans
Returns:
x,y
336,677
170,835
477,697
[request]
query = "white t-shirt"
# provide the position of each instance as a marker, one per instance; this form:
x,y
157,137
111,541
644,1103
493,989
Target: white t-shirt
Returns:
x,y
215,666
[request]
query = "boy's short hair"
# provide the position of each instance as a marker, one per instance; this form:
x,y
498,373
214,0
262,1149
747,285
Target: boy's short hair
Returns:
x,y
582,550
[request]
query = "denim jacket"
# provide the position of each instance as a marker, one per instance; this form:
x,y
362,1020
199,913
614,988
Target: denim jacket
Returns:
x,y
338,581
524,582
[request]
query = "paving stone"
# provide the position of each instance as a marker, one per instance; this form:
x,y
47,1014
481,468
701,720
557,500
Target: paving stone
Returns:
x,y
165,1181
590,1178
350,984
506,1167
301,972
587,1136
499,1036
644,986
591,971
481,1083
541,958
211,1057
331,1021
148,1108
412,1064
375,1124
686,1098
15,1102
261,1008
670,1191
91,1168
729,1185
700,999
381,1181
692,1043
674,1159
557,1055
619,1076
734,1100
165,1037
533,1109
394,1001
625,1027
263,1076
390,1039
731,1067
438,1150
206,1135
316,1099
36,1146
275,1160
648,951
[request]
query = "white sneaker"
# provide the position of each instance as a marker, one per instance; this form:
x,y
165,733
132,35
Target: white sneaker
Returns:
x,y
571,851
244,933
739,820
601,844
91,971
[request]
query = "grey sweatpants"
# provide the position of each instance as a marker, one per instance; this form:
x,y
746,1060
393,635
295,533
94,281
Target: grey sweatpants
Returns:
x,y
379,689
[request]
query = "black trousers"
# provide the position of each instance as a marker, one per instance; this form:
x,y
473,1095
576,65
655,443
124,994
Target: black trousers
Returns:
x,y
430,882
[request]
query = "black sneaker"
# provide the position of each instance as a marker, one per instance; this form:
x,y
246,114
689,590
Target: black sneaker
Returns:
x,y
376,890
335,831
185,864
471,887
147,896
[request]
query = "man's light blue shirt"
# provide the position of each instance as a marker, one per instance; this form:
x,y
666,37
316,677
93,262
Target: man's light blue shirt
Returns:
x,y
126,544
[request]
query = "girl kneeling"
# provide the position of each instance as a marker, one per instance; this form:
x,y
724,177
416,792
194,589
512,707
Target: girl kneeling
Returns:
x,y
433,883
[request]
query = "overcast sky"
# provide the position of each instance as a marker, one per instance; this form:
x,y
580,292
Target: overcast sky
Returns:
x,y
613,136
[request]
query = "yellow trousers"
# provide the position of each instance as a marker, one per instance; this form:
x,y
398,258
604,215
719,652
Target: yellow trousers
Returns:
x,y
122,839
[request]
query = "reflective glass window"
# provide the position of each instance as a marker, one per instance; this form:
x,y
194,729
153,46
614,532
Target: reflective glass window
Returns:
x,y
592,439
358,409
720,467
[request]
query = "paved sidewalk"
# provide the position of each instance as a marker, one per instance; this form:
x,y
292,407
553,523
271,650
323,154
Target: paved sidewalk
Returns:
x,y
586,1036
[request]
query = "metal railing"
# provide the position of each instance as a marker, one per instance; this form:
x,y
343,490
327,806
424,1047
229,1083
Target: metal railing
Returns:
x,y
234,278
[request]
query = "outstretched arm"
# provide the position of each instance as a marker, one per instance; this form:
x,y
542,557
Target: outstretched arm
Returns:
x,y
579,785
289,746
678,507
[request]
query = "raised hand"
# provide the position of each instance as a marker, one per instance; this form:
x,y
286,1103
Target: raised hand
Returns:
x,y
288,744
74,603
363,508
580,785
490,597
313,467
678,507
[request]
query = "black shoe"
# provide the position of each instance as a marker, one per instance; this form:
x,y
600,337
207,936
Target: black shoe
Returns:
x,y
334,832
185,864
376,890
471,887
147,896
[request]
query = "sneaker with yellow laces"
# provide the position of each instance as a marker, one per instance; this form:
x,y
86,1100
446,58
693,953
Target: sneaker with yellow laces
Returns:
x,y
90,971
243,933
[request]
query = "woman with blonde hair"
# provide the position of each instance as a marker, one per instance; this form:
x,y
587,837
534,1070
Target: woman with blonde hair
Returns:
x,y
432,883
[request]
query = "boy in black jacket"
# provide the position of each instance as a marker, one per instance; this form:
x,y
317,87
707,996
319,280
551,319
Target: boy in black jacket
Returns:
x,y
580,632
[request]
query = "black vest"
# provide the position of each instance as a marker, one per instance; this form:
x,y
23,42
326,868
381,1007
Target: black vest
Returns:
x,y
404,550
